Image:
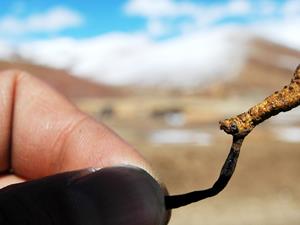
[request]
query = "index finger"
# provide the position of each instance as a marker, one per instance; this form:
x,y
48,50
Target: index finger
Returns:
x,y
43,133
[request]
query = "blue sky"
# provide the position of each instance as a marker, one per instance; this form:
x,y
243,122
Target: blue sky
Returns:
x,y
100,17
180,42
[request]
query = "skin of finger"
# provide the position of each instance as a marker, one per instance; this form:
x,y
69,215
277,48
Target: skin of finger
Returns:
x,y
9,179
50,135
6,107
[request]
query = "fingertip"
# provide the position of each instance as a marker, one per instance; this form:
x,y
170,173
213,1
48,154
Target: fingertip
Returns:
x,y
50,135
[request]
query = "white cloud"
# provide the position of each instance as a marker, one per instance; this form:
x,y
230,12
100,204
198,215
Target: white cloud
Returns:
x,y
267,7
238,7
156,28
6,50
284,30
58,53
291,8
152,8
201,15
135,59
157,11
53,20
161,13
192,58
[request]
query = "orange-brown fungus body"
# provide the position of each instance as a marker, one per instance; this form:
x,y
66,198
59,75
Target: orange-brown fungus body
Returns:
x,y
280,101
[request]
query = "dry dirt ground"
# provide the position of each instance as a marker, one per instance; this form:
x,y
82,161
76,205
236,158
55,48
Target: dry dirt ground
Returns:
x,y
265,189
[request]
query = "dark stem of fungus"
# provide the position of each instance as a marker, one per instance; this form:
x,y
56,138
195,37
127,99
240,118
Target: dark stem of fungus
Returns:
x,y
176,201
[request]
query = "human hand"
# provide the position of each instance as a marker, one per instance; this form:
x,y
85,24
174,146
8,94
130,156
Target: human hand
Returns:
x,y
42,133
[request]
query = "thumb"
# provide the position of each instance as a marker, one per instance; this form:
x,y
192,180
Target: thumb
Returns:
x,y
43,133
109,196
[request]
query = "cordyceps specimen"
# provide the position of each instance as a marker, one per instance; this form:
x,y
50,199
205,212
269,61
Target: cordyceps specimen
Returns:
x,y
239,127
127,195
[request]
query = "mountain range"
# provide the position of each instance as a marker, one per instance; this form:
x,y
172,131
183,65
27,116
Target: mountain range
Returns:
x,y
258,67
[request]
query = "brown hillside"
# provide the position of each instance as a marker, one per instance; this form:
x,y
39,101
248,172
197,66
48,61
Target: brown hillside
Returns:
x,y
267,66
64,82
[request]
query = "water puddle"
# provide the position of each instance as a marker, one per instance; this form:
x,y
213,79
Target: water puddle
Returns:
x,y
180,136
289,118
288,134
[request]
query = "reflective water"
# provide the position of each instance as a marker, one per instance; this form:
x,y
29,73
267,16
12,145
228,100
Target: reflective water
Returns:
x,y
181,136
290,117
288,134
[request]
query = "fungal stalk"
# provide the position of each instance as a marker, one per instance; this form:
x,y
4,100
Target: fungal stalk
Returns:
x,y
239,127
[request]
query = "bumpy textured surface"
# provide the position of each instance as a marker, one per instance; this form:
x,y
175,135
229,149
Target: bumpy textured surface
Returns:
x,y
280,101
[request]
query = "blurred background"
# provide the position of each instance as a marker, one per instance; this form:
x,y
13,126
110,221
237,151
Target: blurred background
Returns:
x,y
162,73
